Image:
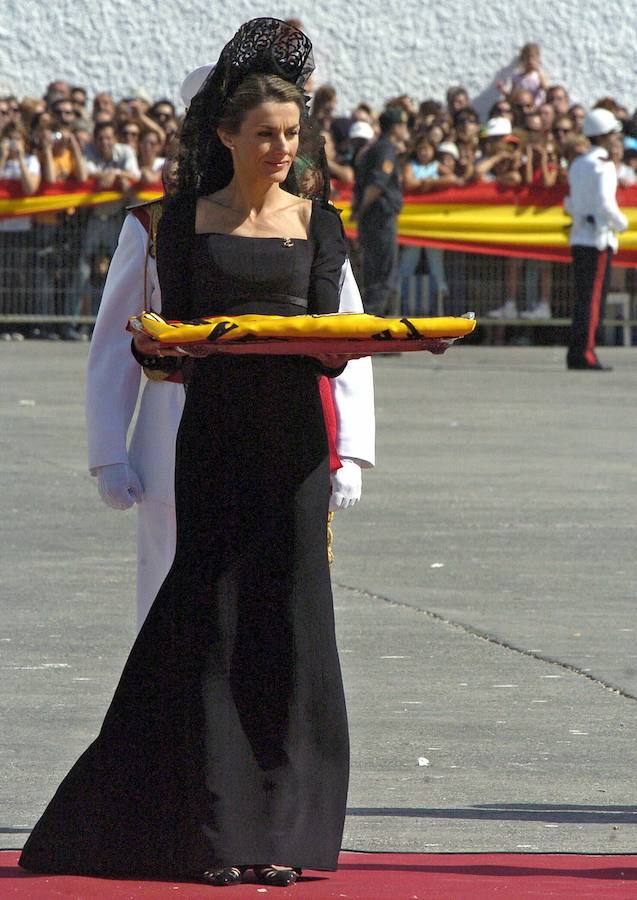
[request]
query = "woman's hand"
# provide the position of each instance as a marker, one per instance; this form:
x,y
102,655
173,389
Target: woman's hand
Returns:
x,y
148,346
336,360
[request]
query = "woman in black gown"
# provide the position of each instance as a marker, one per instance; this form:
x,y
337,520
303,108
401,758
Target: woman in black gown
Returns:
x,y
225,745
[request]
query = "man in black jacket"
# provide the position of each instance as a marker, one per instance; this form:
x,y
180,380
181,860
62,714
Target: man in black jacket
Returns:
x,y
377,201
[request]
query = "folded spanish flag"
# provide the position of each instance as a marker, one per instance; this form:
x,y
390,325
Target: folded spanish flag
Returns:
x,y
338,332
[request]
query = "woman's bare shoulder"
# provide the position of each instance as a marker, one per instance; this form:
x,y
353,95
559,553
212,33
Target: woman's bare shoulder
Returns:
x,y
213,213
303,209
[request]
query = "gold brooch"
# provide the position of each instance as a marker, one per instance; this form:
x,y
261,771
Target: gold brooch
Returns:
x,y
288,242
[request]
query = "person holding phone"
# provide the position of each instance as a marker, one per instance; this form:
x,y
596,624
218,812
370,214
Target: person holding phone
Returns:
x,y
17,248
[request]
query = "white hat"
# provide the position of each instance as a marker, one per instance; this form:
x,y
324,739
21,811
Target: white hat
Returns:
x,y
450,148
498,127
140,93
193,82
361,130
600,121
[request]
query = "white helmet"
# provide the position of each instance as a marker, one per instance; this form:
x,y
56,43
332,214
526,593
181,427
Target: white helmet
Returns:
x,y
600,121
193,82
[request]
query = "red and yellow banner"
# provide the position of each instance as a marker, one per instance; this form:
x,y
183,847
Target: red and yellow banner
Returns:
x,y
64,195
485,218
482,218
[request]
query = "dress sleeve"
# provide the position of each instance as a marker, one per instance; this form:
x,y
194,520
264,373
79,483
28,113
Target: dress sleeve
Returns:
x,y
174,254
330,252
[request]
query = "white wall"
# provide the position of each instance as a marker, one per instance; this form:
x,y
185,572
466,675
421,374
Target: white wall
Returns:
x,y
369,49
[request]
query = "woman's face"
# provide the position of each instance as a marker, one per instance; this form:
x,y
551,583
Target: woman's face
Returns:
x,y
548,116
577,114
130,134
531,60
149,144
267,142
162,113
424,152
435,134
563,129
459,101
14,142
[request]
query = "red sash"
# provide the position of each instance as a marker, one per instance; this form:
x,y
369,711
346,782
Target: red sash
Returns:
x,y
329,414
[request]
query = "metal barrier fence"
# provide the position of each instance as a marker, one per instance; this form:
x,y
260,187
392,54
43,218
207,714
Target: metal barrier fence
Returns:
x,y
53,268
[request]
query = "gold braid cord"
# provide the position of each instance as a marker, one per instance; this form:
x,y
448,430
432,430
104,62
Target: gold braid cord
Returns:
x,y
330,538
154,211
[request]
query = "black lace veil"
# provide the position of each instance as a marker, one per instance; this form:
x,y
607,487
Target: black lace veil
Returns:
x,y
261,46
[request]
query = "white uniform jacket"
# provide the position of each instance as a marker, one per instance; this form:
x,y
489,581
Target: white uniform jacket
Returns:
x,y
113,379
592,203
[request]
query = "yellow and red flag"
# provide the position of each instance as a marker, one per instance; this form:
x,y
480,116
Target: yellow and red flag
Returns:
x,y
62,195
527,222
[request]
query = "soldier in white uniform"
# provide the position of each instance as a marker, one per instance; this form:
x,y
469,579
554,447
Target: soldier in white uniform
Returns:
x,y
593,238
144,473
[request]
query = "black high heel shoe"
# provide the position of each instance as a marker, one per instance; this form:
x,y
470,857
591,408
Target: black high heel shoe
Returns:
x,y
276,877
223,876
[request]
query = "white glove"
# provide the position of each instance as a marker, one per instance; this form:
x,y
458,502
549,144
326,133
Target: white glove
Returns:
x,y
119,486
347,484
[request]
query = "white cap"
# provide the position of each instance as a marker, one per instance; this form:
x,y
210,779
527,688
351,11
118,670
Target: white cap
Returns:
x,y
361,130
193,82
140,93
450,148
600,121
498,127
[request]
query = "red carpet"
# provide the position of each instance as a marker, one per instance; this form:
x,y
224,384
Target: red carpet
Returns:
x,y
371,876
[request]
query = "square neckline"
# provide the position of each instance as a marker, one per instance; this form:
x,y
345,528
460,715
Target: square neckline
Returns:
x,y
255,237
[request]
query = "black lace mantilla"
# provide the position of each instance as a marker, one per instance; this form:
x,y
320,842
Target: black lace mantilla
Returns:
x,y
263,46
266,45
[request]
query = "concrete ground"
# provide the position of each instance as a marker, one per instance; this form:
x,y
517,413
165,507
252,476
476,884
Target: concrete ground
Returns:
x,y
485,591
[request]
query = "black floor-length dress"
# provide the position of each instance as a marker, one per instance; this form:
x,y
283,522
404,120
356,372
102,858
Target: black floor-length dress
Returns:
x,y
226,740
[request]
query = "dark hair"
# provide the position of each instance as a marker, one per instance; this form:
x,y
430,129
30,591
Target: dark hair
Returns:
x,y
467,112
101,126
163,102
12,128
145,132
326,93
527,49
551,90
429,108
608,103
456,91
205,164
494,109
420,139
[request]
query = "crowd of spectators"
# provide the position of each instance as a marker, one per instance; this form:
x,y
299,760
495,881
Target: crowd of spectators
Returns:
x,y
54,264
529,136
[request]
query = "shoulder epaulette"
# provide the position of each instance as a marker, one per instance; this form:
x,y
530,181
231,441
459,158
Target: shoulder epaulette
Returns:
x,y
145,204
329,206
149,215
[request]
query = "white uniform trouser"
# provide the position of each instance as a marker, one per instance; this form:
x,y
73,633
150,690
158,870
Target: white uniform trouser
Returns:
x,y
156,541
